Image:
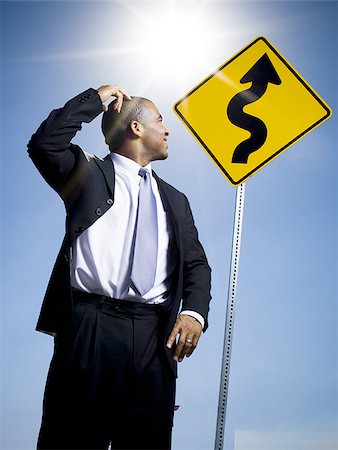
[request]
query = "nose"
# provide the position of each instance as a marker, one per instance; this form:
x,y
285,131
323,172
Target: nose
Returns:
x,y
166,132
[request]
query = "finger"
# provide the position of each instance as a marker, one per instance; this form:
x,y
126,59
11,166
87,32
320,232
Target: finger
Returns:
x,y
126,95
193,345
191,350
118,105
124,92
117,87
118,92
185,351
179,353
172,337
119,101
184,346
104,108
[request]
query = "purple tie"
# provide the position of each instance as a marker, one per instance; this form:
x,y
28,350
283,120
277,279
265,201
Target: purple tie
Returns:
x,y
146,237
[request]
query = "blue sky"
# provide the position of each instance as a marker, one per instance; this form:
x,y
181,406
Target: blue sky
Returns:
x,y
283,384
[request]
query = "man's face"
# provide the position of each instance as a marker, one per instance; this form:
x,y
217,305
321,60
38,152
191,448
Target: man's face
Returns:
x,y
155,133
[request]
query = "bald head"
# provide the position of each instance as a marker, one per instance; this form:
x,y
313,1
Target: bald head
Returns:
x,y
115,126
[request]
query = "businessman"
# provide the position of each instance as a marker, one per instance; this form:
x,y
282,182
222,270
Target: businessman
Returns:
x,y
129,294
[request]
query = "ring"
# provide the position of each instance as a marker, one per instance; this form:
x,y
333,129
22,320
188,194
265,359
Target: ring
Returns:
x,y
189,341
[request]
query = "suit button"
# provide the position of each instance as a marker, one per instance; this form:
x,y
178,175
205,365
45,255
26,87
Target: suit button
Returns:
x,y
110,201
79,229
98,211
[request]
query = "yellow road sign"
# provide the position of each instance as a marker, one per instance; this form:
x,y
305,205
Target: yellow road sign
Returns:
x,y
250,110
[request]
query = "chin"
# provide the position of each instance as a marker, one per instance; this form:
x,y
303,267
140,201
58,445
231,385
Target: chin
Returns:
x,y
162,156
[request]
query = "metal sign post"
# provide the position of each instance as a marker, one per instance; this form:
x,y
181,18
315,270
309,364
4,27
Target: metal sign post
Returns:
x,y
229,324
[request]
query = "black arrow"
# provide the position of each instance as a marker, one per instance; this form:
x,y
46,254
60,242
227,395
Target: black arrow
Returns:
x,y
261,74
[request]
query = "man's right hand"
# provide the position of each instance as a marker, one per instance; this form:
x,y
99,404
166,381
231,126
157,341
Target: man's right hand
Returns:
x,y
108,91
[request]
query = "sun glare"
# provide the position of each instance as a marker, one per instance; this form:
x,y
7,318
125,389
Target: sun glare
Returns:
x,y
176,43
173,39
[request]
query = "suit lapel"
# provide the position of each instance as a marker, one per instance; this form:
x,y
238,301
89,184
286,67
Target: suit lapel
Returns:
x,y
107,167
165,195
169,207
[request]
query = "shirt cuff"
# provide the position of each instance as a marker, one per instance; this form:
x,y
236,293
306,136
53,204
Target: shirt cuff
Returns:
x,y
195,315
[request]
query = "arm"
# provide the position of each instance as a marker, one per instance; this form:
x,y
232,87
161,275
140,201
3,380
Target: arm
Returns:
x,y
196,292
196,271
50,147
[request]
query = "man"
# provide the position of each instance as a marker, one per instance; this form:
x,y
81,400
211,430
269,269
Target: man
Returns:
x,y
130,256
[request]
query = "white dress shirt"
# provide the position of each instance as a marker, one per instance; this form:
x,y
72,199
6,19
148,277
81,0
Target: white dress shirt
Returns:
x,y
101,254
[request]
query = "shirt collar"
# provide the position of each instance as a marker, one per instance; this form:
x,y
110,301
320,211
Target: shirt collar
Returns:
x,y
127,164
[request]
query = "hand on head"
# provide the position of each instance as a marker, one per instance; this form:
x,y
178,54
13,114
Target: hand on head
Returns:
x,y
106,91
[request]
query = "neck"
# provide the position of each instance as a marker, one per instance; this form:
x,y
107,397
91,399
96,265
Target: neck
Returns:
x,y
136,153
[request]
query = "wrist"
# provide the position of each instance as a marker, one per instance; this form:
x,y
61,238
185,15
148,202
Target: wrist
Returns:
x,y
195,315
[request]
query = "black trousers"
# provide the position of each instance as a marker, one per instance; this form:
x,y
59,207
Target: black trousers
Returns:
x,y
109,380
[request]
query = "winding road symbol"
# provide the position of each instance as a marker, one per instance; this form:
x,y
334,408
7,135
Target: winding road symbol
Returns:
x,y
261,74
250,110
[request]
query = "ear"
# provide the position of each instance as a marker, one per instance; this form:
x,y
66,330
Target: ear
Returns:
x,y
136,128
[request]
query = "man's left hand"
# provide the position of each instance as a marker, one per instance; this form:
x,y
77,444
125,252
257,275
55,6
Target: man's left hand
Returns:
x,y
189,330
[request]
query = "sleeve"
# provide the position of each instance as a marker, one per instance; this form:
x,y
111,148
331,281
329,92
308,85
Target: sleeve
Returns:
x,y
195,315
196,271
50,147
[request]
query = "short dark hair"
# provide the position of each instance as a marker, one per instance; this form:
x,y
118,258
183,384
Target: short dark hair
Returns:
x,y
115,125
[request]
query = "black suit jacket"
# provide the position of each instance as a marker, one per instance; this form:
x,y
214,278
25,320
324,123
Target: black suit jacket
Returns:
x,y
87,184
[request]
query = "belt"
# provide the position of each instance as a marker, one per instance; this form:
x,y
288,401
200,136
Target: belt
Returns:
x,y
100,301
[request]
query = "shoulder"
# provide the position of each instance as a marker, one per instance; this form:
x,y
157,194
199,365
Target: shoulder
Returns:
x,y
176,199
89,157
83,156
170,190
163,184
